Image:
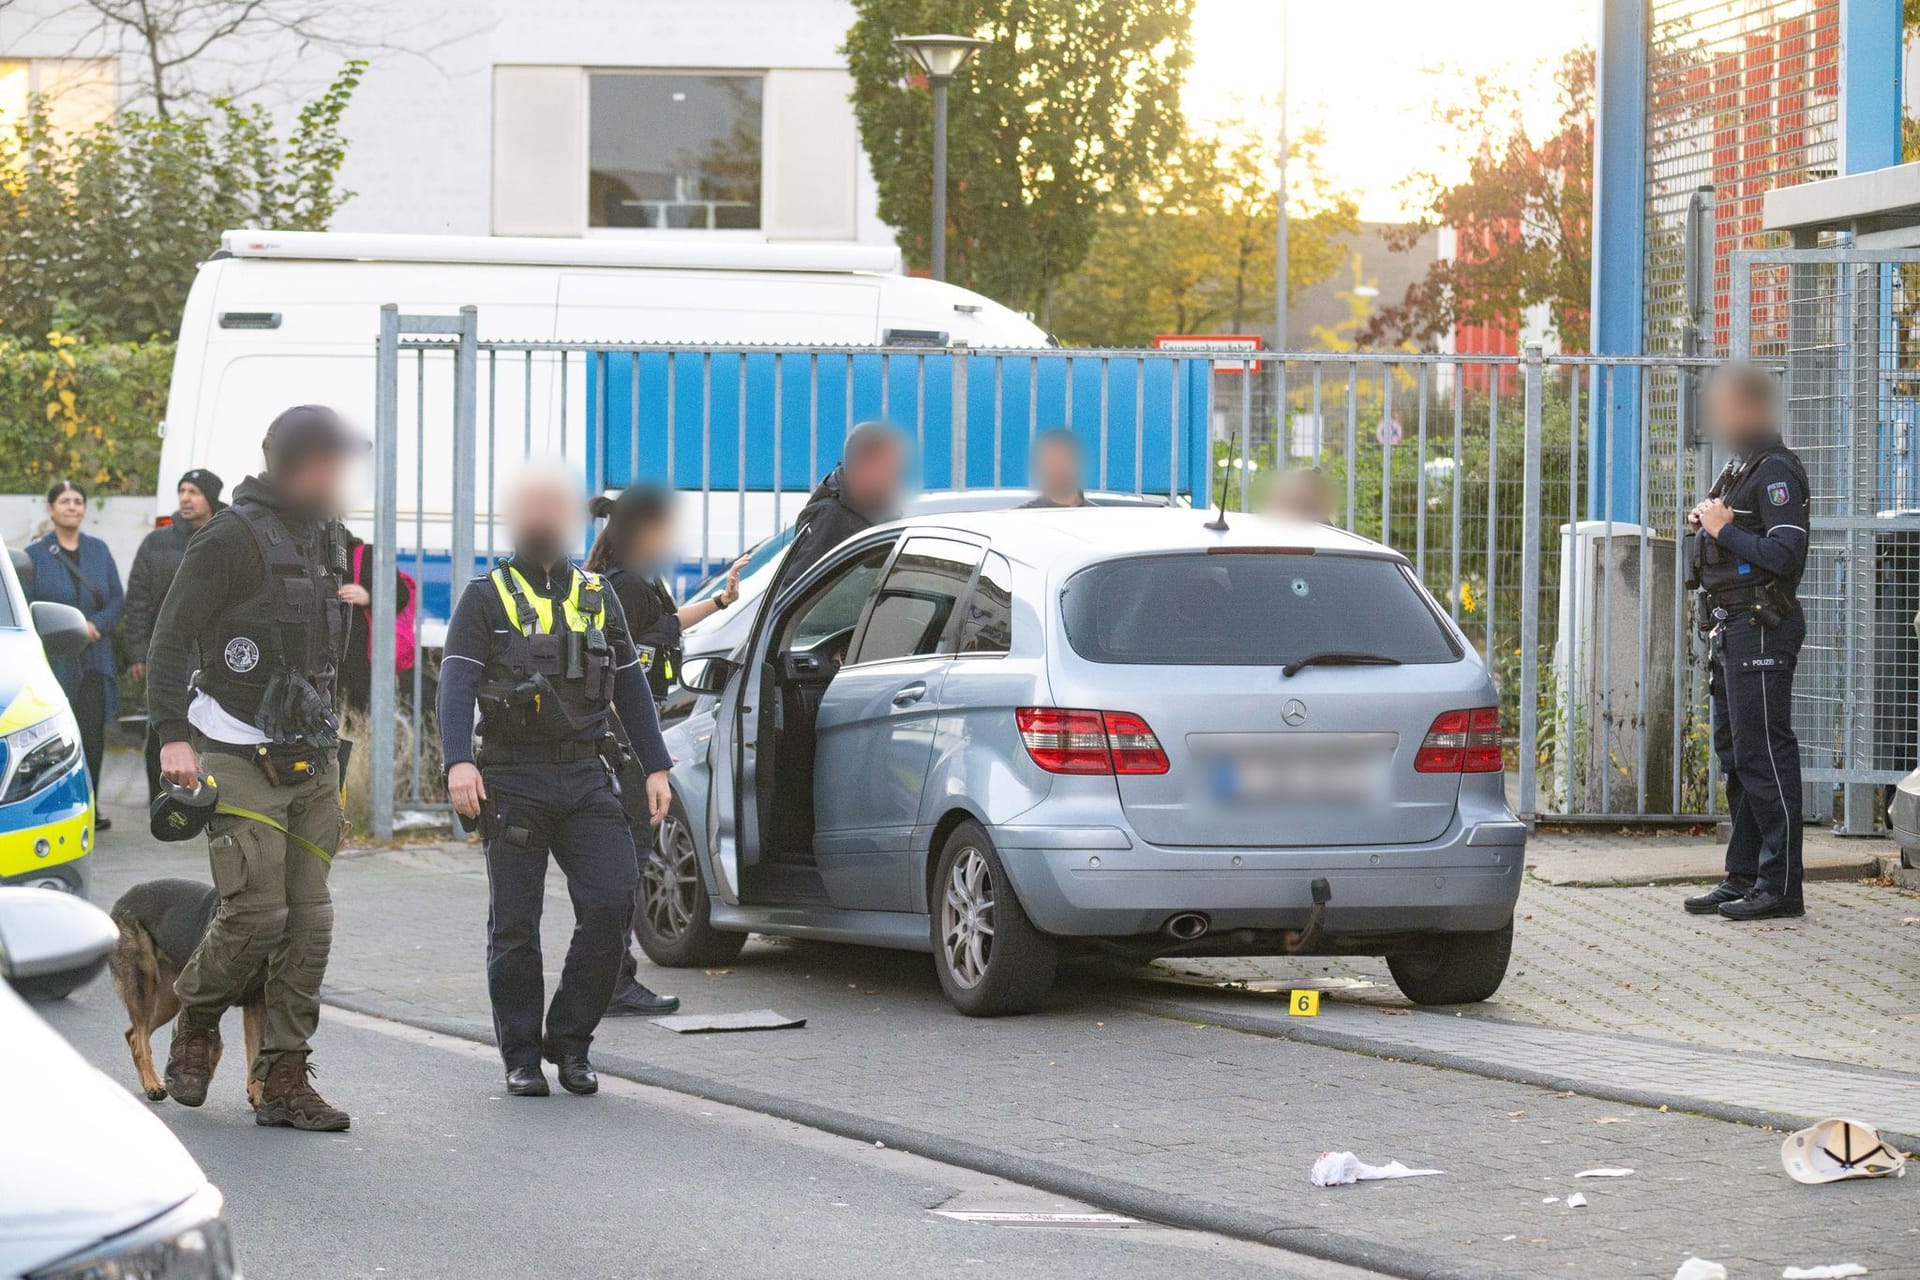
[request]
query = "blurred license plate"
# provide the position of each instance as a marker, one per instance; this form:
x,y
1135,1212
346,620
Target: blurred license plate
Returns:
x,y
1303,769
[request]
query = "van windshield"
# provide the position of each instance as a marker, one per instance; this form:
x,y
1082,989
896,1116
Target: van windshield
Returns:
x,y
1251,609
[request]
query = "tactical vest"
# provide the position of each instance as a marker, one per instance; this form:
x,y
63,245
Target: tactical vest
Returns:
x,y
552,674
275,650
660,662
1738,485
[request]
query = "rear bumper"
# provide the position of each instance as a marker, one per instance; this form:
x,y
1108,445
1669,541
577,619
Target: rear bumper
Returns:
x,y
1106,882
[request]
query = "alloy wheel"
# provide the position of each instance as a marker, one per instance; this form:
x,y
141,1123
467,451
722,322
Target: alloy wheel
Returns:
x,y
967,918
671,879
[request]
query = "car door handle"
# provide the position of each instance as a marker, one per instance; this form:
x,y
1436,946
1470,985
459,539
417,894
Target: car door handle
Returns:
x,y
910,695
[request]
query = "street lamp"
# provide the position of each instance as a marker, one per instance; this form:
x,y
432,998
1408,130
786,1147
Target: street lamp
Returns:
x,y
940,57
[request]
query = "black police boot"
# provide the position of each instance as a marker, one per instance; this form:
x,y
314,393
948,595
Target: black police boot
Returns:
x,y
635,1001
1710,902
1764,904
576,1073
527,1082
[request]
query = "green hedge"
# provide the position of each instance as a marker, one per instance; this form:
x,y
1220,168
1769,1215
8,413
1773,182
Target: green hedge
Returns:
x,y
85,411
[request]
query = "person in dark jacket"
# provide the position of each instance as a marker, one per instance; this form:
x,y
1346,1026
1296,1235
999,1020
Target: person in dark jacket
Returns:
x,y
198,497
71,567
1057,467
633,552
240,684
864,490
541,650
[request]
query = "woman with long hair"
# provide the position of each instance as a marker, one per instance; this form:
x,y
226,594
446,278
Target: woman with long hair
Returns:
x,y
75,568
633,552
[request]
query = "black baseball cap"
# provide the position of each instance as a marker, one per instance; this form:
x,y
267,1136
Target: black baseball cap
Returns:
x,y
309,431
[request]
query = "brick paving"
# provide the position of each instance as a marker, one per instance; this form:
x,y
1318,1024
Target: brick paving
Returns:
x,y
1841,984
1155,1106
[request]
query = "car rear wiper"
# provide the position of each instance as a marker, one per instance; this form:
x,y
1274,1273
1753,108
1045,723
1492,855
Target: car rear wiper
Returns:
x,y
1337,658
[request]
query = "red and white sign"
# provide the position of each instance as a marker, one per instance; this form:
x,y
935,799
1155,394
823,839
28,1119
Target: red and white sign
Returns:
x,y
1213,342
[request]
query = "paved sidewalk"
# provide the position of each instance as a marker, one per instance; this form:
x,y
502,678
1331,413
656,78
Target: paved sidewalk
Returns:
x,y
1151,1114
1600,857
1841,984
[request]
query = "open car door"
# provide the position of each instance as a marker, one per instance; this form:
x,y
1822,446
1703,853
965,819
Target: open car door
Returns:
x,y
763,741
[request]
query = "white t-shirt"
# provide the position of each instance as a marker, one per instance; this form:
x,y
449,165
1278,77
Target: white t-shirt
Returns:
x,y
214,720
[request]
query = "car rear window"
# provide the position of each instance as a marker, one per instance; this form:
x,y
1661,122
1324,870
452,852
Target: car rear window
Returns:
x,y
1250,609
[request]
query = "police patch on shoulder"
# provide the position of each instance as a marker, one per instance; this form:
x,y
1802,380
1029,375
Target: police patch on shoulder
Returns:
x,y
1777,493
242,654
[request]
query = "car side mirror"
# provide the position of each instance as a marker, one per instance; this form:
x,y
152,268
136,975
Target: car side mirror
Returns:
x,y
51,942
62,628
707,675
22,567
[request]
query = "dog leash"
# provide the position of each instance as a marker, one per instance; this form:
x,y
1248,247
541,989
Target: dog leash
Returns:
x,y
235,811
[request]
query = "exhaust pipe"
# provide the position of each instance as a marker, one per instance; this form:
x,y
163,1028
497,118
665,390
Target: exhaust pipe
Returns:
x,y
1188,926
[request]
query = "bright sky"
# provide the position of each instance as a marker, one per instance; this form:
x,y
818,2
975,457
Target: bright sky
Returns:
x,y
1370,71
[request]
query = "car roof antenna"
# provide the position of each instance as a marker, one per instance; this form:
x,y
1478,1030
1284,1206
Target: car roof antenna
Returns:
x,y
1219,523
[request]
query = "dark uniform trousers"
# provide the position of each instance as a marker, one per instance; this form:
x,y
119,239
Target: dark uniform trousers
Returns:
x,y
1752,688
571,810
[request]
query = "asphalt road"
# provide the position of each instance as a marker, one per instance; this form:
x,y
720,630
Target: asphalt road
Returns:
x,y
443,1175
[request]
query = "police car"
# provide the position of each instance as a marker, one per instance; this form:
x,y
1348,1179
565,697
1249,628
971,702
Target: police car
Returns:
x,y
46,800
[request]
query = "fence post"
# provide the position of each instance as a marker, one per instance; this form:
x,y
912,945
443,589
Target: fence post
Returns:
x,y
1530,585
466,378
386,512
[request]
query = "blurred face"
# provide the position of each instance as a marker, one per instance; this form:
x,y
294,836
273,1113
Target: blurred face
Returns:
x,y
68,510
317,484
1738,418
1056,467
648,545
1302,496
544,511
193,504
873,477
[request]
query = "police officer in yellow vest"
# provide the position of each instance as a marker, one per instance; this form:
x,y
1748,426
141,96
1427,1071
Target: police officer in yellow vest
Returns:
x,y
541,649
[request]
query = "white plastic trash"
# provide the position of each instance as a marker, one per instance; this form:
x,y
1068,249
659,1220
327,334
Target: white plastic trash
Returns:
x,y
1338,1168
1700,1269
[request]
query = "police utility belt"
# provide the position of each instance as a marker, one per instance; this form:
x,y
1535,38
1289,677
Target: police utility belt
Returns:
x,y
1765,604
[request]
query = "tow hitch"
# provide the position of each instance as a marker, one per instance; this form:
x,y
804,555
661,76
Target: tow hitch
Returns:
x,y
1314,936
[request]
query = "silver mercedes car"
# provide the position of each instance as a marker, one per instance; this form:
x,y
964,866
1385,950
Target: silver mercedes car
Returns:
x,y
994,735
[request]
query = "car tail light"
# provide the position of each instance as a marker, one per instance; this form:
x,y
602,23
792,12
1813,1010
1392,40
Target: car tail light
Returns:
x,y
1134,748
1462,742
1063,740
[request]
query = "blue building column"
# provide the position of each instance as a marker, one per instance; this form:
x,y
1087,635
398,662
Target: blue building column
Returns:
x,y
1871,49
1619,254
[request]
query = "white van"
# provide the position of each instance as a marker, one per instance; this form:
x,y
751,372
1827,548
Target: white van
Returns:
x,y
277,318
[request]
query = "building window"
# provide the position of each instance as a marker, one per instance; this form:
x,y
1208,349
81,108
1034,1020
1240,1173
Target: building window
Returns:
x,y
669,152
78,92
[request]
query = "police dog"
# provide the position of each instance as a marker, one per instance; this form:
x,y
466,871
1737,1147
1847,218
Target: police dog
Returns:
x,y
161,922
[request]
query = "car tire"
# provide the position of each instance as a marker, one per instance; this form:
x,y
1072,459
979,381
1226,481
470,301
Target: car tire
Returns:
x,y
674,923
1454,968
48,987
991,959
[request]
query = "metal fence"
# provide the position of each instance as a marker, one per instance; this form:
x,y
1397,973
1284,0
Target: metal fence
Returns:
x,y
1842,323
1476,467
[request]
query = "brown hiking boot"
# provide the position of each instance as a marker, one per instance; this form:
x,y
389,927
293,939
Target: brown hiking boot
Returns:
x,y
190,1061
286,1098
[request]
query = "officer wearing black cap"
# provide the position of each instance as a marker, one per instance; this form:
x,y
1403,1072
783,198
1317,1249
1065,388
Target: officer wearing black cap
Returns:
x,y
1749,549
541,648
240,679
197,497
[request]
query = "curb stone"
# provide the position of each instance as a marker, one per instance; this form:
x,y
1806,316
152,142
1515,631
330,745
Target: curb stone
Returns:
x,y
1401,1052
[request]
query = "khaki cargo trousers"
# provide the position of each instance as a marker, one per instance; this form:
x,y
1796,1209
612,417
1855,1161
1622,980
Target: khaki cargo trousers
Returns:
x,y
275,915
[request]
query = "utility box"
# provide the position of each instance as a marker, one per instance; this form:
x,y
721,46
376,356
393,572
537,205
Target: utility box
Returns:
x,y
1614,667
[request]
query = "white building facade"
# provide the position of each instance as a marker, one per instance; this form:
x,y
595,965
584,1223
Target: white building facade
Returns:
x,y
711,118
